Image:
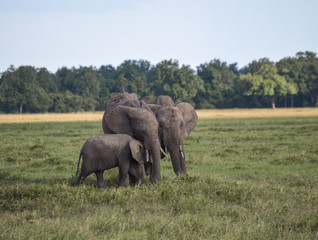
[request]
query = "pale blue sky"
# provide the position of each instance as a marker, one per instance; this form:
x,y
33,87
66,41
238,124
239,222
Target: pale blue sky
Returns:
x,y
70,33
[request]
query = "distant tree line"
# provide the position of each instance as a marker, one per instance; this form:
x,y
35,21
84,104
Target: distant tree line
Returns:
x,y
290,82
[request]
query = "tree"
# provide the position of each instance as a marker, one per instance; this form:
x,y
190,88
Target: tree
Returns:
x,y
109,77
87,83
309,74
302,70
181,84
215,84
266,82
107,84
66,102
219,80
190,83
19,88
132,76
46,80
123,82
290,69
104,95
65,79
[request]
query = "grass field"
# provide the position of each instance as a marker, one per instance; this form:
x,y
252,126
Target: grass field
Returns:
x,y
248,178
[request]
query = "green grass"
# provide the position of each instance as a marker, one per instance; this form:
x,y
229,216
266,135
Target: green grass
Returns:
x,y
247,179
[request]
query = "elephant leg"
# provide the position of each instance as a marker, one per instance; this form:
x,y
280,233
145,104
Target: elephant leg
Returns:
x,y
132,180
100,179
81,179
78,182
123,172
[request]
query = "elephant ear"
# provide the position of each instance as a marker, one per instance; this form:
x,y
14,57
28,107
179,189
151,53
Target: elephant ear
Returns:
x,y
136,151
190,117
117,120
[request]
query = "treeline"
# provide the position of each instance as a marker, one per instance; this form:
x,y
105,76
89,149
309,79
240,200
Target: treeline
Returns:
x,y
290,82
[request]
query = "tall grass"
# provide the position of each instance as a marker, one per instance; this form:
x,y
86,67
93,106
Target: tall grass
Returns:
x,y
247,179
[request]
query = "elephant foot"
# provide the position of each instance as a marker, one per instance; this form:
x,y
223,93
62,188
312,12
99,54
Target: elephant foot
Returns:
x,y
80,180
100,179
103,186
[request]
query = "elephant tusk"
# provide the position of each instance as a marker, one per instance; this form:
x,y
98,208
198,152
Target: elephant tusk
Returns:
x,y
147,155
163,152
181,151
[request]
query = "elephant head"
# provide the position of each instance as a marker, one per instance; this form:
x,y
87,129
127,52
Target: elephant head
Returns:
x,y
175,124
135,118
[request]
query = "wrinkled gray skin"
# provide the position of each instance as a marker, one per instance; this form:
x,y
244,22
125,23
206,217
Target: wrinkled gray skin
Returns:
x,y
119,96
105,151
135,118
175,123
160,100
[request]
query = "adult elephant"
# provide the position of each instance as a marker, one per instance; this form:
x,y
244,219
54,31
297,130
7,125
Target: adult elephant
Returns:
x,y
160,100
175,123
119,96
136,119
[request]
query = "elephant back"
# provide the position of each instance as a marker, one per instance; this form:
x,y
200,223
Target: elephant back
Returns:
x,y
119,96
112,112
160,100
128,103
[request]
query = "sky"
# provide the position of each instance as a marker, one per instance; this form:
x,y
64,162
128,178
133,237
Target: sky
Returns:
x,y
73,33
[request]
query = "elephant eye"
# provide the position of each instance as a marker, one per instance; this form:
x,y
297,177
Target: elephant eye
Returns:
x,y
181,125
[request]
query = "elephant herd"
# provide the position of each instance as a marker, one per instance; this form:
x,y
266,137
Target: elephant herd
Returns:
x,y
137,134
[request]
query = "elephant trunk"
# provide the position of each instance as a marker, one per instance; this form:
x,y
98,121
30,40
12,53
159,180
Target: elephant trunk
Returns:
x,y
177,156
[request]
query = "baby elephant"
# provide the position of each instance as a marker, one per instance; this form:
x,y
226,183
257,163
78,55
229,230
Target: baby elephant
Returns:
x,y
105,151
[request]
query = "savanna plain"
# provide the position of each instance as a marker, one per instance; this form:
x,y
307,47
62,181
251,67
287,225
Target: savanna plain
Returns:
x,y
250,177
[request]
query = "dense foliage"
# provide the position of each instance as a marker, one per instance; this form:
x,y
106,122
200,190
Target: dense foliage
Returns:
x,y
292,81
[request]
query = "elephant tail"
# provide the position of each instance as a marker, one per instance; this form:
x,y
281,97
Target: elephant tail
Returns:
x,y
79,160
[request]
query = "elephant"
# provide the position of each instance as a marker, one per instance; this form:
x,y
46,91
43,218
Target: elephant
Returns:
x,y
105,151
175,123
118,96
160,100
135,118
